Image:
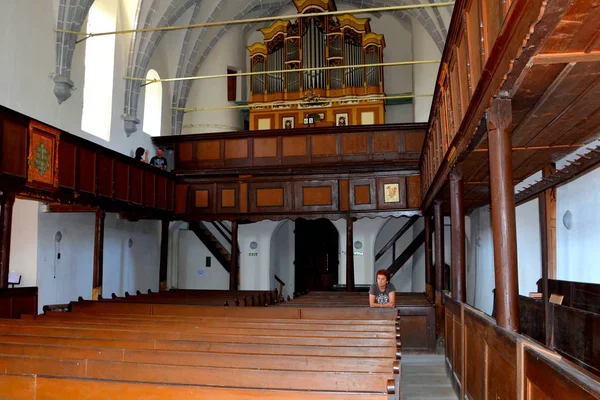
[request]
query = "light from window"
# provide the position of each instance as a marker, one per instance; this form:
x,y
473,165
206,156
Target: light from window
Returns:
x,y
153,105
99,69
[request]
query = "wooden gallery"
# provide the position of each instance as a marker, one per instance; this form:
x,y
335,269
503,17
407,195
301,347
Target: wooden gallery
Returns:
x,y
300,200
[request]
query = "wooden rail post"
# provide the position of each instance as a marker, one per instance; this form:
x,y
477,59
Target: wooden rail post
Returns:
x,y
98,254
234,270
8,201
503,214
350,255
429,271
164,254
458,234
438,278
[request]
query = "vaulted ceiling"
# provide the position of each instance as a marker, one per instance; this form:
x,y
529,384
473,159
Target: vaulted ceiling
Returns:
x,y
198,42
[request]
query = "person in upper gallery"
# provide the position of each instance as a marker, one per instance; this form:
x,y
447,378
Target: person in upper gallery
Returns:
x,y
382,293
159,161
141,155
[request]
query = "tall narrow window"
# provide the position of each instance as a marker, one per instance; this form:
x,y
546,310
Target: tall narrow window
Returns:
x,y
99,68
153,105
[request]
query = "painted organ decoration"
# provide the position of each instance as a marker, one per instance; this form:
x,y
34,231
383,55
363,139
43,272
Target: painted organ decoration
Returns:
x,y
294,85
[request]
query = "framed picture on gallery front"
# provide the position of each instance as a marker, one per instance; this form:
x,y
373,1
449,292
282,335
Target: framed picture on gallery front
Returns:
x,y
288,122
341,119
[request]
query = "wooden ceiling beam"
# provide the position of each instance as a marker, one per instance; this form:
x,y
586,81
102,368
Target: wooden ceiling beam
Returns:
x,y
566,58
69,208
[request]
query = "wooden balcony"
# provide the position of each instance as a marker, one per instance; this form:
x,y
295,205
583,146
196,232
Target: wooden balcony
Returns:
x,y
542,56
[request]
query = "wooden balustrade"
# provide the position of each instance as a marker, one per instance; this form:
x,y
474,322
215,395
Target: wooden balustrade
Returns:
x,y
485,361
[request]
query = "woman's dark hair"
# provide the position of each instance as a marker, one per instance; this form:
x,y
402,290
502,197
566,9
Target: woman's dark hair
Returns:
x,y
385,273
139,153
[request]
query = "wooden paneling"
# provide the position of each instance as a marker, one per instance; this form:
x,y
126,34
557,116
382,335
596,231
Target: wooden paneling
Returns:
x,y
228,198
181,198
316,196
86,165
161,192
236,149
265,147
14,148
185,151
170,195
201,198
385,142
121,181
17,301
272,197
359,203
417,327
105,176
413,184
324,145
355,144
208,150
344,195
66,165
149,189
413,141
135,185
295,146
243,197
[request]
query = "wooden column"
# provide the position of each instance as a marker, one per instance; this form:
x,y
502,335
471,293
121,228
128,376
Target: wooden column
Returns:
x,y
549,197
233,274
544,247
164,254
503,214
350,255
458,234
438,277
8,201
98,254
429,271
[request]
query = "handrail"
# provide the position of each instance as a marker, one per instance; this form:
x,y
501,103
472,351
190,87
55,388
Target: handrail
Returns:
x,y
220,230
407,253
282,283
397,236
225,227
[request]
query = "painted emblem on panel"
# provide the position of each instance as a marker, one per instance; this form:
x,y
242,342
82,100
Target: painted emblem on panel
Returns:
x,y
391,192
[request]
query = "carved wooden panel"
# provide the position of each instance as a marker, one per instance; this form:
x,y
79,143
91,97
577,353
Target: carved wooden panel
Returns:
x,y
385,142
270,197
362,194
413,141
324,145
121,181
295,146
474,40
185,151
135,185
228,198
391,193
265,147
201,197
14,148
181,198
208,150
355,144
161,192
105,176
66,161
204,198
316,196
86,165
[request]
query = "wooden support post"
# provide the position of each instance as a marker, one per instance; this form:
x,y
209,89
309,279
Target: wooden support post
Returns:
x,y
549,198
503,214
234,271
350,255
438,277
544,247
429,271
458,234
164,255
8,202
98,254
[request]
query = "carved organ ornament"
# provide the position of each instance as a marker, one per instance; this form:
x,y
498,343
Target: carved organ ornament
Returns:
x,y
316,42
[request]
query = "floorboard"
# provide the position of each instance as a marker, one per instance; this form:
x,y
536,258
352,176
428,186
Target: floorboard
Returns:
x,y
424,378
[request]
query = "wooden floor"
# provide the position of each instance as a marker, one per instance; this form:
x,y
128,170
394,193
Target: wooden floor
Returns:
x,y
424,378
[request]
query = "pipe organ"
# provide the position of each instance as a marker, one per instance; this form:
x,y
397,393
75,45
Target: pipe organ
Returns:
x,y
318,70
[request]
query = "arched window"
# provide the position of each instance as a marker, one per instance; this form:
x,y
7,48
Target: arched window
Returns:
x,y
99,69
153,105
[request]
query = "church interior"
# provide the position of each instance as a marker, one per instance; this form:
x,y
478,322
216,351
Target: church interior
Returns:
x,y
201,198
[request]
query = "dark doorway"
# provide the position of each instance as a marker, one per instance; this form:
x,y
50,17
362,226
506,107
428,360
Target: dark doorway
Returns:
x,y
316,262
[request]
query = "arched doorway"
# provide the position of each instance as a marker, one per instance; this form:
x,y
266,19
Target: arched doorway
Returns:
x,y
317,256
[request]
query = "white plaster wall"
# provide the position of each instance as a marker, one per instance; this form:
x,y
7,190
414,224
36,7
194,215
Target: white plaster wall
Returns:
x,y
124,268
365,231
193,273
577,249
529,246
402,280
283,255
255,270
424,75
340,225
418,260
26,85
23,246
228,52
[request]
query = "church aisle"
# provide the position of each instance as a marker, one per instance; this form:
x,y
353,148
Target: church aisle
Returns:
x,y
424,378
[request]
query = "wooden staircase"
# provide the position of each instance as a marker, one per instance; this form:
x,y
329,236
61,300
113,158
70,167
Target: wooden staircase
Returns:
x,y
222,255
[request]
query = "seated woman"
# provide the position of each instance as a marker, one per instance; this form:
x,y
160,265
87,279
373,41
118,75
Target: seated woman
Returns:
x,y
383,293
